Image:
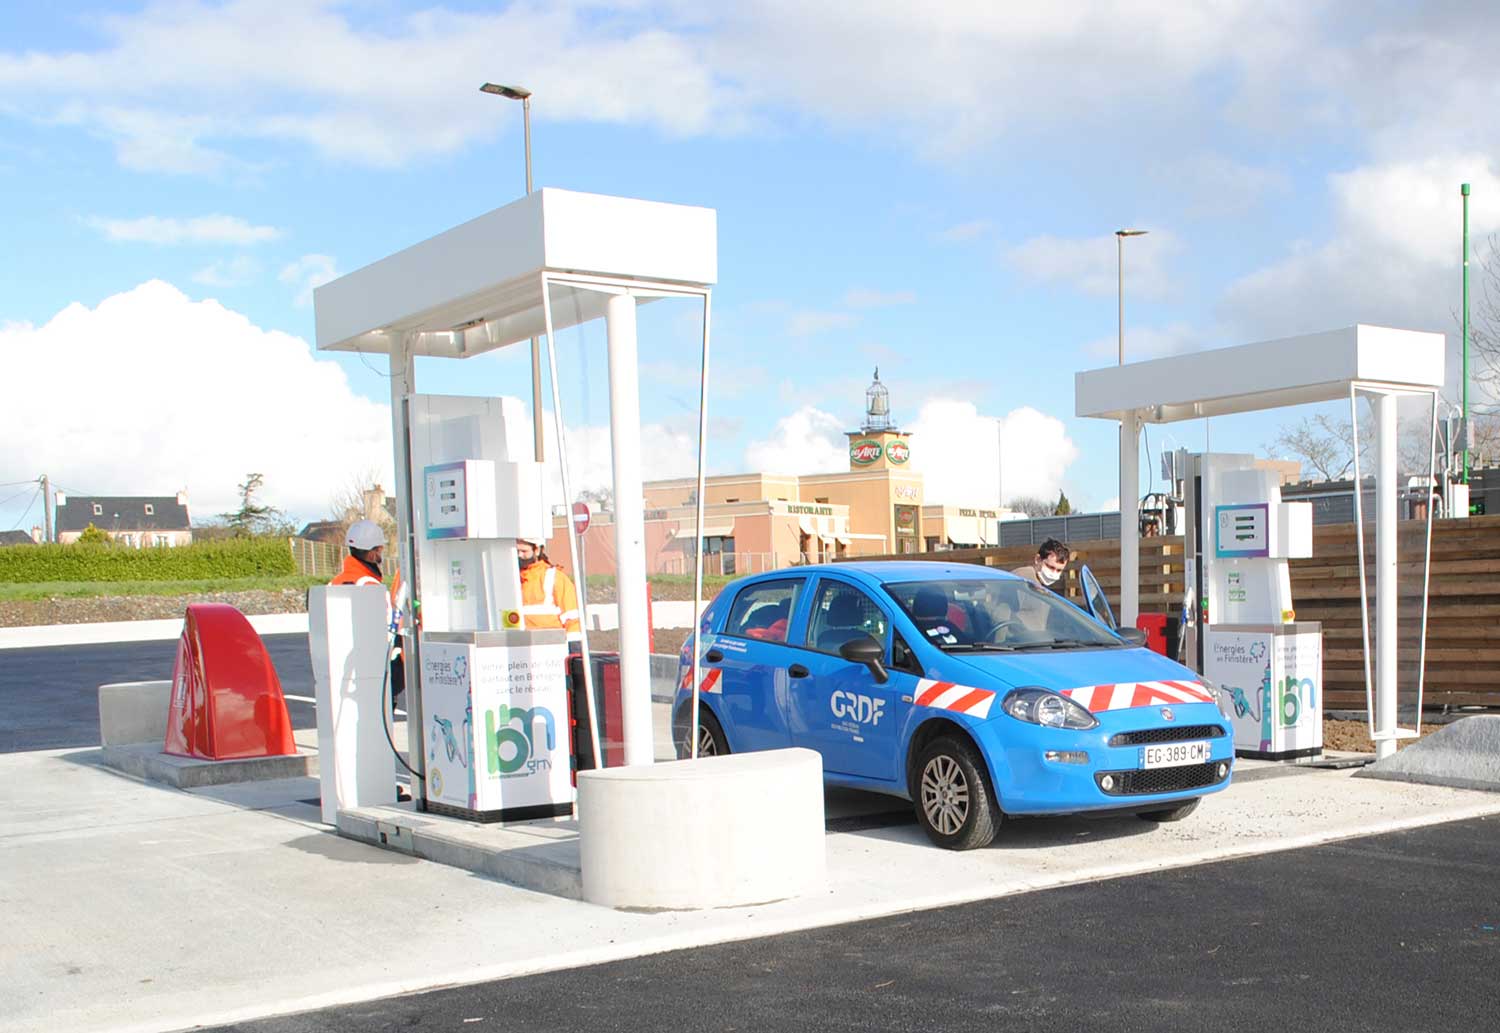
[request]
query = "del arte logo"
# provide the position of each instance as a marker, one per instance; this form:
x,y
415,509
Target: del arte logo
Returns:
x,y
864,452
898,451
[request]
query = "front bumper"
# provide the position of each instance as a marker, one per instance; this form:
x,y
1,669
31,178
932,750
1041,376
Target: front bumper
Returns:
x,y
1028,782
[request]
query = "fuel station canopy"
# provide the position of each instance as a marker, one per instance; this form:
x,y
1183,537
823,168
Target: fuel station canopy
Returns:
x,y
1380,362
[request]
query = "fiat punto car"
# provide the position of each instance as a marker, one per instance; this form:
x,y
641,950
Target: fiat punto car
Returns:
x,y
971,692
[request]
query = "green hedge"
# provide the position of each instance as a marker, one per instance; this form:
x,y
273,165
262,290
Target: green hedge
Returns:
x,y
234,557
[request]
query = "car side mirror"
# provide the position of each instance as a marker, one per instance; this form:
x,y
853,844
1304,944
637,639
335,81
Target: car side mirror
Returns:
x,y
1132,636
864,649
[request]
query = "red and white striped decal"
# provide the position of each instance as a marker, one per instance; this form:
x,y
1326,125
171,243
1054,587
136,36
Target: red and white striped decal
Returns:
x,y
961,699
709,683
1099,698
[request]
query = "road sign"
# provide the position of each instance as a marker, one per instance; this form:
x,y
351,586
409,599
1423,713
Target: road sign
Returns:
x,y
580,517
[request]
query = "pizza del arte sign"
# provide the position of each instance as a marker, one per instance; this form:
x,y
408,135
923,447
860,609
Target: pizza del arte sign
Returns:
x,y
865,452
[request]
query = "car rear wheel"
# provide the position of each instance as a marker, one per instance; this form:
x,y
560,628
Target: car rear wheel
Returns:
x,y
1177,813
952,795
711,739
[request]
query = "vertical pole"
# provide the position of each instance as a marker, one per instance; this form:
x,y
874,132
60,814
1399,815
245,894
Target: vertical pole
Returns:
x,y
46,509
1000,459
403,384
1120,266
1385,576
1464,190
1130,551
698,535
630,528
536,348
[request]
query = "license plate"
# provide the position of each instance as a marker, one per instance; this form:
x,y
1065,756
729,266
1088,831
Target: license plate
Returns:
x,y
1174,754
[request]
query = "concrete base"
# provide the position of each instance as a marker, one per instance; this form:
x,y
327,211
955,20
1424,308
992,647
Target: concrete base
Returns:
x,y
709,833
535,855
146,760
134,712
1464,755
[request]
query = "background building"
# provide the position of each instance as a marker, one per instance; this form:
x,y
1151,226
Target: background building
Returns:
x,y
135,521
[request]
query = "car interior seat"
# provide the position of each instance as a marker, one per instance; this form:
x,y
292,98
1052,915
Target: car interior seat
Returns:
x,y
845,620
929,609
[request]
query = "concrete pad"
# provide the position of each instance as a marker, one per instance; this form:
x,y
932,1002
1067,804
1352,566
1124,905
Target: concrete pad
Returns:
x,y
135,907
1465,754
134,712
147,761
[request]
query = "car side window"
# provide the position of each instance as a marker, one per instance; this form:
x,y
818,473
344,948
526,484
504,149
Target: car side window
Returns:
x,y
841,612
762,611
902,657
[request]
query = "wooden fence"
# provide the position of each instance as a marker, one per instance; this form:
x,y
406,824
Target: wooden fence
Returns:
x,y
1463,622
316,559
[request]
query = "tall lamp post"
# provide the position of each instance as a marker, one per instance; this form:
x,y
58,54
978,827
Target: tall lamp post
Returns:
x,y
1120,236
523,95
1463,190
1130,474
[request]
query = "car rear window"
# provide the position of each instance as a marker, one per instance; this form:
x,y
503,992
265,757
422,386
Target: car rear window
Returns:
x,y
762,611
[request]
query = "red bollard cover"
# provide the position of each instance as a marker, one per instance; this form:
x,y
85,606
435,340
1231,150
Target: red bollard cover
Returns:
x,y
226,698
1155,627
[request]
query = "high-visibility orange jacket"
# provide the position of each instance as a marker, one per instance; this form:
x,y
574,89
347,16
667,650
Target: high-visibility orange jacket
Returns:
x,y
549,600
356,572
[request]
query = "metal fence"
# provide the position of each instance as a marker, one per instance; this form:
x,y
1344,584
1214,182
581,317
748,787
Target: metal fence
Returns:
x,y
316,559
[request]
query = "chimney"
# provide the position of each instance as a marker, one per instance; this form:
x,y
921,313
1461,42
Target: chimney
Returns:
x,y
182,498
374,503
60,498
36,534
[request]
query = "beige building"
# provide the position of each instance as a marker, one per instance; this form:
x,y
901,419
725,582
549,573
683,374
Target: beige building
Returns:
x,y
762,521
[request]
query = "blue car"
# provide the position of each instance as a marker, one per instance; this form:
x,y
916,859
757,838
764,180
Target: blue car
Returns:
x,y
971,692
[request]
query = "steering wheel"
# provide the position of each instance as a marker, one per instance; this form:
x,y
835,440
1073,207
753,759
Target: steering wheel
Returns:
x,y
994,635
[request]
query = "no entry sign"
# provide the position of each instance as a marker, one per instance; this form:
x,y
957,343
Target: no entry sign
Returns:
x,y
580,517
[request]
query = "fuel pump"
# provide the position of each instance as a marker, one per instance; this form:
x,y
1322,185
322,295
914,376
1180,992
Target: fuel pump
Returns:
x,y
1240,629
494,693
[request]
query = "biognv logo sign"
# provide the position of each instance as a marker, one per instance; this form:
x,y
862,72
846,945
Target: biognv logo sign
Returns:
x,y
525,756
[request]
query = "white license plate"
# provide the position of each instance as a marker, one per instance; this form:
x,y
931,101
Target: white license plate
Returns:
x,y
1174,754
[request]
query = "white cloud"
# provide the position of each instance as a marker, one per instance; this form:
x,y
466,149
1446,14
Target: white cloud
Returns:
x,y
864,297
1091,264
806,324
808,441
306,273
204,229
233,272
964,231
666,452
965,459
1391,258
1218,185
164,393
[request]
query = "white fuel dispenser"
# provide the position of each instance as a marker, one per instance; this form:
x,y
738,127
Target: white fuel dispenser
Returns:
x,y
1240,627
494,694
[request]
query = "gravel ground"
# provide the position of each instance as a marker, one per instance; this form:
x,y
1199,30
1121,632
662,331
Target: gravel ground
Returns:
x,y
88,609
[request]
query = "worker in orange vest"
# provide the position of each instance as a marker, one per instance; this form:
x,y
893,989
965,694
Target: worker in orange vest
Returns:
x,y
366,543
548,597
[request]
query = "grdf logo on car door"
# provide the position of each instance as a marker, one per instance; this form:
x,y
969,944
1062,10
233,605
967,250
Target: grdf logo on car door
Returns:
x,y
855,710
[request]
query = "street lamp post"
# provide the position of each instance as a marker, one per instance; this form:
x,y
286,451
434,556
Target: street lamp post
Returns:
x,y
523,95
1120,236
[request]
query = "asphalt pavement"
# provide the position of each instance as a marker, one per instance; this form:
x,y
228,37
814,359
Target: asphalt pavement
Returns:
x,y
1392,932
48,699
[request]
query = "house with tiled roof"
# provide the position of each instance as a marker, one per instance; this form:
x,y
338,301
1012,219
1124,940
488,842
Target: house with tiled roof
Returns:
x,y
137,521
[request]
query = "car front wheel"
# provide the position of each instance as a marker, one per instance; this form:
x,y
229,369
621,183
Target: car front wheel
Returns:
x,y
952,794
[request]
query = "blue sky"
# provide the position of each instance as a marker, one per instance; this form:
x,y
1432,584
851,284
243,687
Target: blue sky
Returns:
x,y
930,189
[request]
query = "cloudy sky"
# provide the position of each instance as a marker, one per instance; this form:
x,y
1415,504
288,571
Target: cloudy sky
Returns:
x,y
928,188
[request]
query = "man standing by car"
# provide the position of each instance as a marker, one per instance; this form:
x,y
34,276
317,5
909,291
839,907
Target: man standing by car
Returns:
x,y
1046,569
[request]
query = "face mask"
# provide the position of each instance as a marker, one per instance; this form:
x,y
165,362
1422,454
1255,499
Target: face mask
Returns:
x,y
1048,576
525,561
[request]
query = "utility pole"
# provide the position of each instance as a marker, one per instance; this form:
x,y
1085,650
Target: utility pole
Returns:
x,y
46,509
1464,191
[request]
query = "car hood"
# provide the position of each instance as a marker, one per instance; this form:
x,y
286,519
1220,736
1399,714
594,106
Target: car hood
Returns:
x,y
1068,669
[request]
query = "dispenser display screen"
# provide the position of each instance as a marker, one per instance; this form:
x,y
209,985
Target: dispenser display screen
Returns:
x,y
1241,532
447,510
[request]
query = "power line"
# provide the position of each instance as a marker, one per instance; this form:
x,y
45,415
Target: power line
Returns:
x,y
29,508
34,487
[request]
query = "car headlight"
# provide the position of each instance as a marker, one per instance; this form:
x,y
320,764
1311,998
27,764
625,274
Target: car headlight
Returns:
x,y
1222,699
1047,708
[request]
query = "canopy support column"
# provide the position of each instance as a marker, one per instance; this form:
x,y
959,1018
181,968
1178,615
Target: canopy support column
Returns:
x,y
1386,573
1130,525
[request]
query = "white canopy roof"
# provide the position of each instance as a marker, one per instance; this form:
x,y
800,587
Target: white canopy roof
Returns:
x,y
1290,371
478,286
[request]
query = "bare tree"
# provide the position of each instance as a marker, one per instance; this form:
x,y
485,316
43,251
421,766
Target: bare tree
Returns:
x,y
1484,323
347,504
1032,506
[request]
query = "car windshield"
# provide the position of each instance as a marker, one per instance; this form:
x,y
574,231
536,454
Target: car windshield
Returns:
x,y
999,614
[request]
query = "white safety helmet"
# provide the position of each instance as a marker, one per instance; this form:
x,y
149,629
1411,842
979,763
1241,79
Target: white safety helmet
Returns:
x,y
365,535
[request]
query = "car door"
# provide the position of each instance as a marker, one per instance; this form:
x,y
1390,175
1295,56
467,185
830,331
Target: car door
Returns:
x,y
838,707
751,657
